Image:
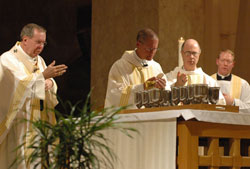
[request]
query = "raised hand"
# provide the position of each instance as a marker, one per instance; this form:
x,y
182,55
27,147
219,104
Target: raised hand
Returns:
x,y
181,79
54,70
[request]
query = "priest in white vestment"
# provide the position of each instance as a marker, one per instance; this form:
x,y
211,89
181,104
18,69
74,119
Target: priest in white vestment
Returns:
x,y
189,73
135,71
235,89
27,92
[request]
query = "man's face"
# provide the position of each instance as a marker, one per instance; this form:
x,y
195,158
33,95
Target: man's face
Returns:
x,y
225,63
190,55
147,49
34,46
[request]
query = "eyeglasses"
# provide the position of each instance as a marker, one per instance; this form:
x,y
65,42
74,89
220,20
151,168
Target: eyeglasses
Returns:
x,y
189,53
229,62
151,49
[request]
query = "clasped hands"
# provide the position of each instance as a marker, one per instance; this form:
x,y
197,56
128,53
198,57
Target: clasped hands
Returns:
x,y
157,82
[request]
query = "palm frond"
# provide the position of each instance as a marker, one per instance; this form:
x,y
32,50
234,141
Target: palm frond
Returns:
x,y
75,142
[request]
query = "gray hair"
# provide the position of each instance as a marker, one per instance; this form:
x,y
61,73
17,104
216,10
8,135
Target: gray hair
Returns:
x,y
146,34
28,30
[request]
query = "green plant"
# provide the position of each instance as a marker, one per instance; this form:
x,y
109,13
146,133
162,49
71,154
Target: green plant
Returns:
x,y
75,142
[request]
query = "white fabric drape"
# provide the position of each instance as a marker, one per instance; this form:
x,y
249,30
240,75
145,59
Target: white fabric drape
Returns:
x,y
153,148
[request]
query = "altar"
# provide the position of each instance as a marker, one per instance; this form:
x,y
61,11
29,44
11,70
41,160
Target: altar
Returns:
x,y
171,137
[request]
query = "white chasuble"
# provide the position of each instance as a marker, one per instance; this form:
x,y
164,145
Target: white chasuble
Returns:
x,y
22,88
126,77
237,88
195,77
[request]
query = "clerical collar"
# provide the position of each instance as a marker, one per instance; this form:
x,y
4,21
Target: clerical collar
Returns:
x,y
143,62
226,78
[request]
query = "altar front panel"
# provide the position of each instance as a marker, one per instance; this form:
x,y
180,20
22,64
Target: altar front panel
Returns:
x,y
154,147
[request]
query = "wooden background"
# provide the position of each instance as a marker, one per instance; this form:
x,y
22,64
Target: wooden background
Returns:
x,y
89,36
216,24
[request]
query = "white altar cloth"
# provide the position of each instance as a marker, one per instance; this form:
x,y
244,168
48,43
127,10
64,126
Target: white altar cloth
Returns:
x,y
187,114
155,146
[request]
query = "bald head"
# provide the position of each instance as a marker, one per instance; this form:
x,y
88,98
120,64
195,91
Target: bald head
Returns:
x,y
189,42
190,53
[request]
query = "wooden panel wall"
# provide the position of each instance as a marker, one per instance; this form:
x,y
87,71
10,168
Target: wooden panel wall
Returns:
x,y
221,18
227,26
216,24
242,45
115,24
181,18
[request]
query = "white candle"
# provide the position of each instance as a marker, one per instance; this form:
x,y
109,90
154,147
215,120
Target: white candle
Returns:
x,y
180,61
